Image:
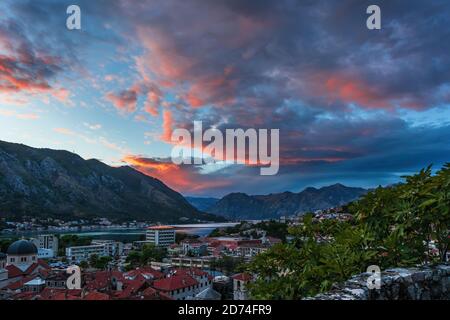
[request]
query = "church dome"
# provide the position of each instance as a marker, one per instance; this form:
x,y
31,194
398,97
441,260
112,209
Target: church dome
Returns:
x,y
22,247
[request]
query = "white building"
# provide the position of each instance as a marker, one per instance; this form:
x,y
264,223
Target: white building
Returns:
x,y
48,242
112,248
162,236
45,253
184,284
98,247
83,253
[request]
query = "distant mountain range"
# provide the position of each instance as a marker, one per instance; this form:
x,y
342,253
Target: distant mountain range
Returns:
x,y
52,183
202,204
237,206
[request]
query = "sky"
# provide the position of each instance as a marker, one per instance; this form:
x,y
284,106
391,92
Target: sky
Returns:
x,y
354,106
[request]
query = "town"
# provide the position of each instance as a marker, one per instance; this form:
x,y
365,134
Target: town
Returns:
x,y
165,265
32,269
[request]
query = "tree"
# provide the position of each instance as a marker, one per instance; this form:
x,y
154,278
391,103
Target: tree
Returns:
x,y
393,226
99,262
228,265
148,254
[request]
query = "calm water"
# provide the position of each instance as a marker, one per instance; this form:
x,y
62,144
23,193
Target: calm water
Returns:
x,y
129,235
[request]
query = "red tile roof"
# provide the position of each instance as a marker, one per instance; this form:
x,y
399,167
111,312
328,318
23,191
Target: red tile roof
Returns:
x,y
130,288
59,294
147,273
175,282
243,277
94,295
98,280
19,284
14,271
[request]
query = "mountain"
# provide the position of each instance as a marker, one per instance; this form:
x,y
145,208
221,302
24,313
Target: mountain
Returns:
x,y
202,204
45,182
242,206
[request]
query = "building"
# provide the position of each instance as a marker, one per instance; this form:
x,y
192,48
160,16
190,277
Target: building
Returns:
x,y
112,248
57,279
35,285
248,250
240,282
200,262
22,265
45,253
83,253
178,287
194,248
3,271
22,254
162,236
139,245
44,243
208,294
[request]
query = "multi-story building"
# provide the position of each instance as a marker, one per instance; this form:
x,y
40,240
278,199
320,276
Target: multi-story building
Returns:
x,y
83,253
98,247
250,250
194,247
44,243
162,236
112,248
57,279
192,262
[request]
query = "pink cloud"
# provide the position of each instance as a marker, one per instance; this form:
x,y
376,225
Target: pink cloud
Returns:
x,y
125,101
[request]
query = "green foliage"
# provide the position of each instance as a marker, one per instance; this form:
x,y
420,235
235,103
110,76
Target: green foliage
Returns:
x,y
99,262
5,243
71,240
393,226
148,254
272,228
84,265
228,265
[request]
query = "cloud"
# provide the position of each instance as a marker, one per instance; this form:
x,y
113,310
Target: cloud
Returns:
x,y
341,95
167,126
64,131
18,115
92,126
124,101
185,179
25,68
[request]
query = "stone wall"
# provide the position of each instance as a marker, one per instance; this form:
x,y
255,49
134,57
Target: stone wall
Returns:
x,y
423,283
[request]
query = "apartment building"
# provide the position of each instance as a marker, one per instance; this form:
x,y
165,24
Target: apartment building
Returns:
x,y
47,245
162,236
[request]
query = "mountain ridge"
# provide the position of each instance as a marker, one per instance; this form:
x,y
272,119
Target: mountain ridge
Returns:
x,y
46,182
238,205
